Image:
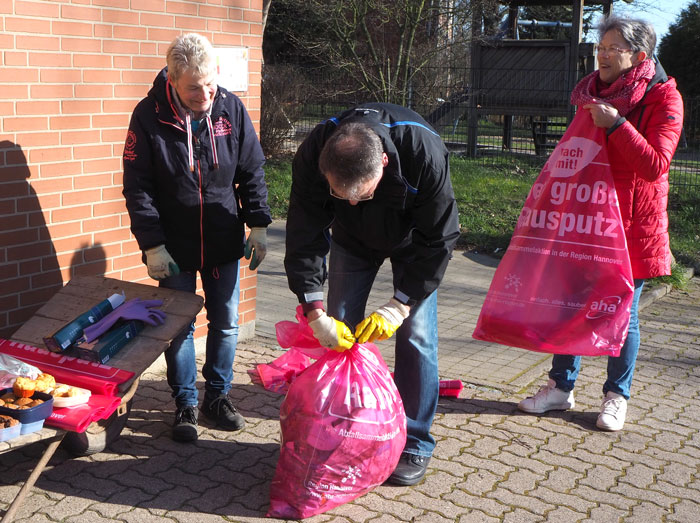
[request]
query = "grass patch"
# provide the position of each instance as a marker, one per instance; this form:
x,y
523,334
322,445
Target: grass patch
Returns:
x,y
490,198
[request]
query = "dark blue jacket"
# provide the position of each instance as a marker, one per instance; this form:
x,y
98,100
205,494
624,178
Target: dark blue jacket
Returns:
x,y
199,215
412,217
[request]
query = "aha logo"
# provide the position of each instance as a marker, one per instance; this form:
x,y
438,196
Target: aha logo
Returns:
x,y
603,307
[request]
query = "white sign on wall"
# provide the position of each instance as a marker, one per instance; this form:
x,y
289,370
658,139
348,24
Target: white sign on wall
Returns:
x,y
232,68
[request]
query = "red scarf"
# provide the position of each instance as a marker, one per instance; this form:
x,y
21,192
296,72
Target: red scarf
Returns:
x,y
623,94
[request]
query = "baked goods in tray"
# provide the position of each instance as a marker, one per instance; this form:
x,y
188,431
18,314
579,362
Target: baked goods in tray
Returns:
x,y
7,421
45,382
67,395
24,387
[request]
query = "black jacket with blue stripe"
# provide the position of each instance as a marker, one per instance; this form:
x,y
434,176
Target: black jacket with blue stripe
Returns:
x,y
412,217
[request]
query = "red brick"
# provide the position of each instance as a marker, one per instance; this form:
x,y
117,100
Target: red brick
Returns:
x,y
52,154
109,208
79,197
101,252
13,92
41,107
59,76
27,25
120,47
122,106
117,136
29,267
81,44
162,35
27,123
18,58
122,62
51,91
94,91
130,32
37,43
71,28
228,39
142,77
70,245
116,235
101,224
62,230
125,262
118,4
103,31
16,285
38,297
111,194
92,151
191,23
69,122
55,185
80,106
151,49
101,76
253,15
28,251
156,20
81,13
128,91
152,5
236,28
49,60
96,180
120,16
46,9
14,222
8,270
80,137
184,8
214,25
92,60
48,170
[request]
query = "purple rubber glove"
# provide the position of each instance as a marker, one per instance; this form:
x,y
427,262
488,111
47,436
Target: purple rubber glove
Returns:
x,y
135,309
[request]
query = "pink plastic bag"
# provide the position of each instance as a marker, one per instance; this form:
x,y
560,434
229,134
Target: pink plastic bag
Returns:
x,y
343,430
565,283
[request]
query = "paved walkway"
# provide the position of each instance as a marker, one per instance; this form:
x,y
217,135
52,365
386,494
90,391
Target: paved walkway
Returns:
x,y
492,463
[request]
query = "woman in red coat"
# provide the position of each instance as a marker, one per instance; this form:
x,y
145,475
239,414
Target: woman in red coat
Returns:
x,y
630,96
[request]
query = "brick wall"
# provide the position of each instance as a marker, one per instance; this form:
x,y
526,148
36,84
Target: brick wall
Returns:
x,y
71,73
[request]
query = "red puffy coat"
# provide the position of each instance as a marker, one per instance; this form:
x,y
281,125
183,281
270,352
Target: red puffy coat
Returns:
x,y
640,152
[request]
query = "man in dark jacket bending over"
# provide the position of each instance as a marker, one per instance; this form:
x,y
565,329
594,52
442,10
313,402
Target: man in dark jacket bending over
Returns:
x,y
193,179
378,177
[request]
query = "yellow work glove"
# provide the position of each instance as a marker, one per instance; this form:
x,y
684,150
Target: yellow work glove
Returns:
x,y
332,333
256,246
382,323
160,264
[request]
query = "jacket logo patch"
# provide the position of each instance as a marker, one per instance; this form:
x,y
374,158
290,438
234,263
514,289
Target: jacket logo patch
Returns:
x,y
130,147
222,127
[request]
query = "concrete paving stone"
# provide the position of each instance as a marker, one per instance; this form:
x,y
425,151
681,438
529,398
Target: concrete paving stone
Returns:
x,y
519,515
574,464
521,481
564,515
605,514
477,516
404,509
490,506
120,502
35,502
140,515
479,463
557,498
685,511
649,512
654,496
671,490
517,500
440,505
67,507
561,479
640,475
605,496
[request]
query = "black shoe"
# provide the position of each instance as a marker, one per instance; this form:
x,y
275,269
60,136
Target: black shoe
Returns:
x,y
185,426
410,470
221,411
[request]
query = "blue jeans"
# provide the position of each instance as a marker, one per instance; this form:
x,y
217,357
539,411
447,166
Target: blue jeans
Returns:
x,y
350,280
221,293
620,369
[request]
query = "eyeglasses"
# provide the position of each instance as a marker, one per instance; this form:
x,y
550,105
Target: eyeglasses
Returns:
x,y
360,199
610,51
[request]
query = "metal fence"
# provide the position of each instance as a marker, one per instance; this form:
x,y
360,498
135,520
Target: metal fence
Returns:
x,y
462,118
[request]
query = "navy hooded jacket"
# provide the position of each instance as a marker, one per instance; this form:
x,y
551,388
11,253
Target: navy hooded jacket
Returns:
x,y
196,207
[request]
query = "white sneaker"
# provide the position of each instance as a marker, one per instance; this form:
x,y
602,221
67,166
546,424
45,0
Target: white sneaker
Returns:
x,y
612,412
549,397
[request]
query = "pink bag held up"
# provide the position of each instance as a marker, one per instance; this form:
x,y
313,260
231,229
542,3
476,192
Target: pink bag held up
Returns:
x,y
343,430
565,283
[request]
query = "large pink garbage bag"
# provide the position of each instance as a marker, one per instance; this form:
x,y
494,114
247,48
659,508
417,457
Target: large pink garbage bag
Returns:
x,y
343,430
565,283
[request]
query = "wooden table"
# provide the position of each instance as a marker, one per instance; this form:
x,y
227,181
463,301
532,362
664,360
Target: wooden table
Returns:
x,y
79,295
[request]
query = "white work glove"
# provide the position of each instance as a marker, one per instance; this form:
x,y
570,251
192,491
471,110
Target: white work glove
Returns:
x,y
382,323
332,333
160,264
256,246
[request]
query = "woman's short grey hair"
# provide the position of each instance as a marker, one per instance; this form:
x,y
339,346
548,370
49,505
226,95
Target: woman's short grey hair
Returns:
x,y
638,34
190,53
